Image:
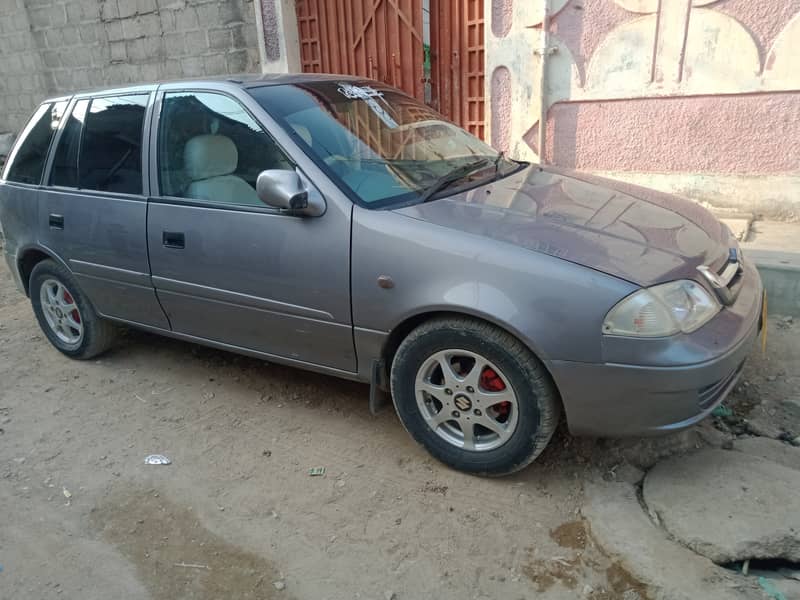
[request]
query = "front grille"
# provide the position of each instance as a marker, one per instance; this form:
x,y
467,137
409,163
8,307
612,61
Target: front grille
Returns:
x,y
726,281
708,395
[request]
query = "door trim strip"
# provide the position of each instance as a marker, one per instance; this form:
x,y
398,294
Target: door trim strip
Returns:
x,y
237,298
82,267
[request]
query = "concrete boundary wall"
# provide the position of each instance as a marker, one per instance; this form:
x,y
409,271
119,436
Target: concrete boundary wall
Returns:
x,y
701,97
49,47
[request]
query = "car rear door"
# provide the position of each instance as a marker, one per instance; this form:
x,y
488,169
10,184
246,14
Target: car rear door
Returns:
x,y
226,267
93,211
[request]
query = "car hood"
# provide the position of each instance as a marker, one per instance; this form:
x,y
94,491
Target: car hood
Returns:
x,y
634,233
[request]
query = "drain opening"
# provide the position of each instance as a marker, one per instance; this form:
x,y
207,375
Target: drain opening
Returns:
x,y
766,567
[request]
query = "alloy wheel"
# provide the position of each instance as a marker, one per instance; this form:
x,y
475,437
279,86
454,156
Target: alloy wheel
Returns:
x,y
466,400
61,312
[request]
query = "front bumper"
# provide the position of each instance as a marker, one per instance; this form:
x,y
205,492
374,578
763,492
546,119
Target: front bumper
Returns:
x,y
614,399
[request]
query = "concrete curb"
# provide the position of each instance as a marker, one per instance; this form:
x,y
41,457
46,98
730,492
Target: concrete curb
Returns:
x,y
670,571
774,247
781,278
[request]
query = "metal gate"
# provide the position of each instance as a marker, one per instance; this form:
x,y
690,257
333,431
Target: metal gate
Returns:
x,y
457,62
379,39
383,40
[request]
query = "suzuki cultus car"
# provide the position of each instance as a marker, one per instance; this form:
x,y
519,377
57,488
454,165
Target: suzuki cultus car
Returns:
x,y
336,224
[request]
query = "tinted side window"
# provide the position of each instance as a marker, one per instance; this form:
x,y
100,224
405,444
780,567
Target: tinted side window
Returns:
x,y
210,148
65,162
26,163
110,157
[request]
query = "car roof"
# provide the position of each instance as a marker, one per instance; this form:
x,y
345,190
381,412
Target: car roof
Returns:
x,y
244,80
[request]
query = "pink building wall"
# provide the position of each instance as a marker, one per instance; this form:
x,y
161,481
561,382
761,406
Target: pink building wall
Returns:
x,y
699,97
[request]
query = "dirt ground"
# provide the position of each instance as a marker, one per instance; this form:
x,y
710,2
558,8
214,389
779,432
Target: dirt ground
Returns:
x,y
236,515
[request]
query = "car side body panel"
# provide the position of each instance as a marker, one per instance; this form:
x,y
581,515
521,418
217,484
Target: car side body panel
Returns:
x,y
104,243
270,282
555,307
19,215
255,277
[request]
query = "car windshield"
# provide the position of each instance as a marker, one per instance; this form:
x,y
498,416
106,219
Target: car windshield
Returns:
x,y
380,145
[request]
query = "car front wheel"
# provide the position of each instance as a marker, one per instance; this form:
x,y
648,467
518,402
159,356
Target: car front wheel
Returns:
x,y
474,396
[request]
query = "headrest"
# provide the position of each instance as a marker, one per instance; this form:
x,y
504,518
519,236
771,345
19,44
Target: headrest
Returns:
x,y
207,156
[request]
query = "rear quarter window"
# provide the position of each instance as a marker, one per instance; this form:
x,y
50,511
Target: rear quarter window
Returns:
x,y
26,163
64,171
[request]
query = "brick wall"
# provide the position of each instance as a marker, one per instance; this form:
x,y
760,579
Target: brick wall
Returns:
x,y
22,75
49,47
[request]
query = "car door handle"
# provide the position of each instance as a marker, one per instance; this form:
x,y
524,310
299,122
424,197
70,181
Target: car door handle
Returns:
x,y
173,239
56,221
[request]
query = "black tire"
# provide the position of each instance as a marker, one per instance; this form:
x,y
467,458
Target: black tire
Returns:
x,y
98,334
537,398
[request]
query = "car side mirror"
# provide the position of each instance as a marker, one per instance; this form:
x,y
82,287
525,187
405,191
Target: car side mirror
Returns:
x,y
285,190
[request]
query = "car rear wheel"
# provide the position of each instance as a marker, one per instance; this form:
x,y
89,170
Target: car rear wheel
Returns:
x,y
474,396
65,314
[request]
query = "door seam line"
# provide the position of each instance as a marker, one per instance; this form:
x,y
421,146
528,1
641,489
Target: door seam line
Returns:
x,y
150,266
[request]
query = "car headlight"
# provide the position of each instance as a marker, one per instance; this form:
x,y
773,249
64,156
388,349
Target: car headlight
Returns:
x,y
662,310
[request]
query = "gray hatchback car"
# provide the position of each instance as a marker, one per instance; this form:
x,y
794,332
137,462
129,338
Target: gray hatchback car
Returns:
x,y
338,225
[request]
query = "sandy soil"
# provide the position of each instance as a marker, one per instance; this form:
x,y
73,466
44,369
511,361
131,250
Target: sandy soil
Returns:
x,y
236,515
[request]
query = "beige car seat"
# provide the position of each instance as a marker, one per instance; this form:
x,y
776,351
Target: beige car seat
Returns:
x,y
210,161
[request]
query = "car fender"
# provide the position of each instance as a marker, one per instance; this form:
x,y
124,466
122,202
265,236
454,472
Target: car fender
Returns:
x,y
403,267
35,247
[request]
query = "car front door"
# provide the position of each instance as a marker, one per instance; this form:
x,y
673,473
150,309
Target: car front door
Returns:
x,y
226,267
93,211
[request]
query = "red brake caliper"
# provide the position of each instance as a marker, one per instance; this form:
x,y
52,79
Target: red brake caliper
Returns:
x,y
491,382
68,299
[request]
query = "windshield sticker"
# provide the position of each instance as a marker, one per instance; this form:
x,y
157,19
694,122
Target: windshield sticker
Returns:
x,y
368,94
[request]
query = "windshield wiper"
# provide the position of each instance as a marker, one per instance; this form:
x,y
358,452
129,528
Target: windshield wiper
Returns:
x,y
453,176
500,156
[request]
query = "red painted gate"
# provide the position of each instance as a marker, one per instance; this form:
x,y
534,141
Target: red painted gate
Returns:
x,y
457,62
383,40
379,39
